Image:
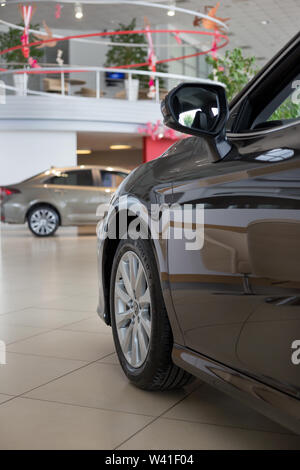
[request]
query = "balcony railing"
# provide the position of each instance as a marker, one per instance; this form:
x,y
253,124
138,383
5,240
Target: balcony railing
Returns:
x,y
64,81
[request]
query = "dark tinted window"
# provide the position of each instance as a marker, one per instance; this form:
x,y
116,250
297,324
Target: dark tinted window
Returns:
x,y
73,178
111,179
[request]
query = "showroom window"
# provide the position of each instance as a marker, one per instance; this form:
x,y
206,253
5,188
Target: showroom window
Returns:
x,y
73,178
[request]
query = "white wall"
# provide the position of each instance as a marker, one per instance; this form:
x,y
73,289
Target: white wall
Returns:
x,y
25,153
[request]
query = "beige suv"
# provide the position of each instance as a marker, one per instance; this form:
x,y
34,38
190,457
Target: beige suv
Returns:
x,y
59,196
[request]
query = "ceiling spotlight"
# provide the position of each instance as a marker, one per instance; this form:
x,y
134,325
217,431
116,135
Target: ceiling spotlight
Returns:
x,y
120,147
264,22
83,152
78,11
3,3
171,11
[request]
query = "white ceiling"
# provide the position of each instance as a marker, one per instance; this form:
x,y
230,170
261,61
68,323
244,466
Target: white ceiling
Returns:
x,y
246,28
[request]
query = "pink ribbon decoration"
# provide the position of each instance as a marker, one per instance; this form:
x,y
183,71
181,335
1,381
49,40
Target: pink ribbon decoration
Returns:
x,y
27,12
215,44
57,11
158,131
178,38
24,41
33,63
151,60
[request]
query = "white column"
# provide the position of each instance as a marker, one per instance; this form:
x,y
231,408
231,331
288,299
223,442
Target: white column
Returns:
x,y
26,153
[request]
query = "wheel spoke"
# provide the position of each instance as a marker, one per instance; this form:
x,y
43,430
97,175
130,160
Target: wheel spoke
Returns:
x,y
132,270
135,346
123,318
126,280
127,339
145,298
146,324
140,280
121,294
142,342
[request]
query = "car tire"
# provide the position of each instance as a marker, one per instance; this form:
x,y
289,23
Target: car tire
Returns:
x,y
43,221
150,369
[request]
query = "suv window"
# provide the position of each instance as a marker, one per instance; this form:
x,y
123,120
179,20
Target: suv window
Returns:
x,y
73,178
111,179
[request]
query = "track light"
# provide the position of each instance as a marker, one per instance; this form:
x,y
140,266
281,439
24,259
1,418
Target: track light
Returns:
x,y
78,11
171,11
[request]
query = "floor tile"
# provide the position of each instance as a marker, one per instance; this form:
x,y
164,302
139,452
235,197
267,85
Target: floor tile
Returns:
x,y
172,434
210,406
105,386
65,344
81,303
51,284
44,318
111,359
91,325
12,333
24,372
4,398
32,424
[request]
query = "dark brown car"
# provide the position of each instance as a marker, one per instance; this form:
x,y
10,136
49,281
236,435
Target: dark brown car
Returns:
x,y
227,310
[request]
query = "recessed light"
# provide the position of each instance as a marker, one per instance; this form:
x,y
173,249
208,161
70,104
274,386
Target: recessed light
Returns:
x,y
83,152
264,22
3,3
120,147
171,12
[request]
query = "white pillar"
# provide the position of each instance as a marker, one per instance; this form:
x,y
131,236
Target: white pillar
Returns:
x,y
26,153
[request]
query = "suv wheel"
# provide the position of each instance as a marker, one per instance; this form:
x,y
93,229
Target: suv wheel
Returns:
x,y
141,329
43,221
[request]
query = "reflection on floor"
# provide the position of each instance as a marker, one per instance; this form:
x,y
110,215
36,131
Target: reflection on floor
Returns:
x,y
62,386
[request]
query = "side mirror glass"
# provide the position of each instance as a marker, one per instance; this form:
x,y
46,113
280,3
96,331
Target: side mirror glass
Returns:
x,y
197,109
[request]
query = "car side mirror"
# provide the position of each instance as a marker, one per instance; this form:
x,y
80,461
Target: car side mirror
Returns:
x,y
201,110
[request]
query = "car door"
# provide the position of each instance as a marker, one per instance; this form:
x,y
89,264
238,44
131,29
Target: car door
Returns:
x,y
209,285
74,192
230,294
270,336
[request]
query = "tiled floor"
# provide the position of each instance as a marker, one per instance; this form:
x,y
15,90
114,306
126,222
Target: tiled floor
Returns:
x,y
62,386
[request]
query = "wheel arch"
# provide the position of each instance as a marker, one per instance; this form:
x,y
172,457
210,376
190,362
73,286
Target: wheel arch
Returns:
x,y
42,204
159,249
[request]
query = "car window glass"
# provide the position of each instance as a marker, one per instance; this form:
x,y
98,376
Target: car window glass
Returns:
x,y
106,179
283,109
289,108
73,178
111,179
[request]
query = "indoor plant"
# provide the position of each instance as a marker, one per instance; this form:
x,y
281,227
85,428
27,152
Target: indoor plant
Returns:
x,y
234,70
15,59
120,55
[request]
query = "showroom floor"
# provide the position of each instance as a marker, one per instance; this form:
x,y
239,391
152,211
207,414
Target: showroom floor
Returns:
x,y
62,386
